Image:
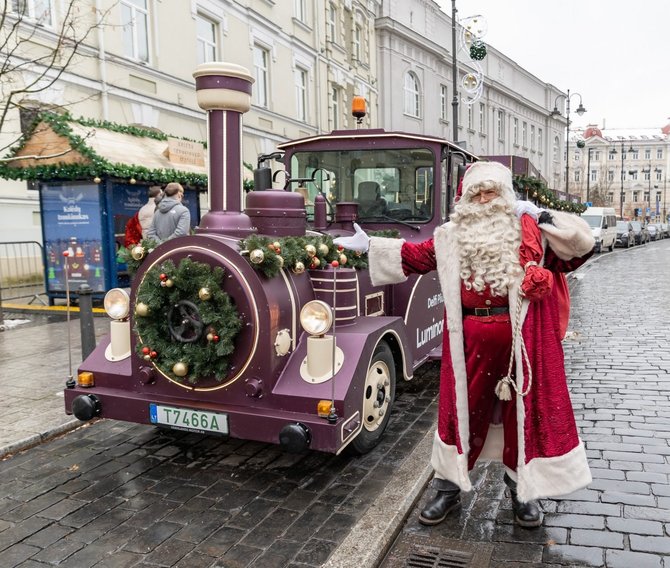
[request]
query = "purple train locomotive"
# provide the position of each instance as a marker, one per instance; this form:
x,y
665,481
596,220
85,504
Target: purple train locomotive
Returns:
x,y
257,327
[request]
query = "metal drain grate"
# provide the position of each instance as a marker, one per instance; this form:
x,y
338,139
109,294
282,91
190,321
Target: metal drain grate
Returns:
x,y
437,558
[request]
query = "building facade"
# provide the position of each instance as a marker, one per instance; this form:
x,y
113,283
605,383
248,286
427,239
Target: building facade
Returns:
x,y
624,169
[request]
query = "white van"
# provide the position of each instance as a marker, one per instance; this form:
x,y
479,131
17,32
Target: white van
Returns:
x,y
602,221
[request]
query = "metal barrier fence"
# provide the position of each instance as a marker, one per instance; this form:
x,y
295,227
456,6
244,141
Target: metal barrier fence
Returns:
x,y
22,271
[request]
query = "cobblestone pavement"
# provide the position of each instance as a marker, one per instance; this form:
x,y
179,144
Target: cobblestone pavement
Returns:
x,y
112,494
618,366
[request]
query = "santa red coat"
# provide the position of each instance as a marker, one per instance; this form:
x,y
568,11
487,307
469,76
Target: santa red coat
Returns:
x,y
551,459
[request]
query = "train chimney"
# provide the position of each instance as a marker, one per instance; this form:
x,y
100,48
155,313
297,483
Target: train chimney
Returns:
x,y
224,91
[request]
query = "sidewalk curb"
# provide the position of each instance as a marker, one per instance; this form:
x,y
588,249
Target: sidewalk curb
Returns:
x,y
372,536
36,439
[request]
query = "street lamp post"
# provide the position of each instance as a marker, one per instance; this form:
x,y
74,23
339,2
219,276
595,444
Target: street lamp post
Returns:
x,y
454,72
648,171
554,113
623,155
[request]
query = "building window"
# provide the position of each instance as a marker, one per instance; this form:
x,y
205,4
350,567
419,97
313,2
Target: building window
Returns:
x,y
470,117
443,102
556,144
594,175
524,135
335,106
261,59
39,10
636,196
647,153
659,174
633,175
659,153
647,175
610,197
501,125
205,39
135,23
411,94
577,176
610,175
357,44
301,93
300,12
635,155
515,130
611,155
482,117
540,141
532,137
332,22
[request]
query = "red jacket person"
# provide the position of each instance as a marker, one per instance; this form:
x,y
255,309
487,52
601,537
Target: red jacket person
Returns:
x,y
503,388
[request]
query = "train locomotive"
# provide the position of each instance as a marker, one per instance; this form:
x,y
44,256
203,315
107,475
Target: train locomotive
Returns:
x,y
257,326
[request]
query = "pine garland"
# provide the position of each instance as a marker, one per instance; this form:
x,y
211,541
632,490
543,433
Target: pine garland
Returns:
x,y
538,192
167,286
134,256
269,255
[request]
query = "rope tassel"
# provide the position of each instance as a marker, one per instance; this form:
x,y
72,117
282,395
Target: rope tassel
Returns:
x,y
503,389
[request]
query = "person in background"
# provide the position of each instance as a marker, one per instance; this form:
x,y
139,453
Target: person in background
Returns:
x,y
503,388
171,218
146,212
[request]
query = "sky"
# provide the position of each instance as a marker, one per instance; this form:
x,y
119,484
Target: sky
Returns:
x,y
614,53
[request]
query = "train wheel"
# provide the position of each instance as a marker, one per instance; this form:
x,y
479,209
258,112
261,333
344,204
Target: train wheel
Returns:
x,y
378,398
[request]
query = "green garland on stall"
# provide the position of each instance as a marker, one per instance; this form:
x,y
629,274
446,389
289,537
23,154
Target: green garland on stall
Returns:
x,y
161,289
269,255
97,166
134,256
538,192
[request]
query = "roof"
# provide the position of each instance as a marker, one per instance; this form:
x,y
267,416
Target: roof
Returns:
x,y
60,147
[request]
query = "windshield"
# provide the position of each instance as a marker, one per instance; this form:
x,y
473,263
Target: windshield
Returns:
x,y
593,220
622,225
388,185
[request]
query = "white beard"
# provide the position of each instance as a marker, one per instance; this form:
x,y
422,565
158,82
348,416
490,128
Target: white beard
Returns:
x,y
488,236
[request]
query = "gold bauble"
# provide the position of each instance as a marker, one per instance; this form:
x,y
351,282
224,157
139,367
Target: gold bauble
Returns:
x,y
281,261
133,181
180,369
316,262
276,244
137,252
169,283
146,357
204,294
343,259
96,179
299,268
142,309
311,250
323,249
210,337
257,256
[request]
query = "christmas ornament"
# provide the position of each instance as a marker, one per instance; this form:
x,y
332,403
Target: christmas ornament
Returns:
x,y
146,350
153,354
210,337
133,181
169,283
204,294
334,264
315,262
299,268
323,249
215,339
163,276
257,256
281,261
96,179
311,250
343,259
137,252
180,369
146,357
141,309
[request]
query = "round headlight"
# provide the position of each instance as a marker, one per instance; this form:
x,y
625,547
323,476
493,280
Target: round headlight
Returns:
x,y
316,317
117,303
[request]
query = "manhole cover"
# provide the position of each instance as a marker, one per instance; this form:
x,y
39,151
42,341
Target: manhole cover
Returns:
x,y
414,551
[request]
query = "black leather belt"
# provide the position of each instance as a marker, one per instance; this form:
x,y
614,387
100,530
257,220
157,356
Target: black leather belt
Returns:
x,y
483,312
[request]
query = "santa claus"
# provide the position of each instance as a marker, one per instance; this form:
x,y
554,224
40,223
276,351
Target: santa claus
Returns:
x,y
503,389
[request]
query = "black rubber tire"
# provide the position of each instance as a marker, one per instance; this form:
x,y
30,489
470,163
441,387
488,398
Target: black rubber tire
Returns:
x,y
366,439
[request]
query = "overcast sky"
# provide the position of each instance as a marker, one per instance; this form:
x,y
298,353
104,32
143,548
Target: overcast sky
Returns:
x,y
615,53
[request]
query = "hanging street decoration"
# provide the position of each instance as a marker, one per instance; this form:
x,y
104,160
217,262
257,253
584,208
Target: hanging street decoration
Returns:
x,y
472,30
186,329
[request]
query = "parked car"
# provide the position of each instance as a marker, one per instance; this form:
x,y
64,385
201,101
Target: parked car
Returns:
x,y
625,236
602,221
665,229
641,233
653,232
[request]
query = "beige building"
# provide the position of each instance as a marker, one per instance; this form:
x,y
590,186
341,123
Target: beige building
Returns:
x,y
625,169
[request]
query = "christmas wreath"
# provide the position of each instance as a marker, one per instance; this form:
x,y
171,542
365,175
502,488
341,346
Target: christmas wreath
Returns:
x,y
186,324
134,255
269,255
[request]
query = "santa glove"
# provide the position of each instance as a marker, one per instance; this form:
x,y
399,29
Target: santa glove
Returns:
x,y
527,208
358,242
537,283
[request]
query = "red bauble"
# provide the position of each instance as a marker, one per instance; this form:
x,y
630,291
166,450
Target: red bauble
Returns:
x,y
340,248
145,350
334,264
153,354
163,276
215,339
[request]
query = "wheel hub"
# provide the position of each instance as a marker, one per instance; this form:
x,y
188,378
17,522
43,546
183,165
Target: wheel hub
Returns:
x,y
377,395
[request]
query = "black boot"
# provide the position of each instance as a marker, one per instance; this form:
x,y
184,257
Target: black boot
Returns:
x,y
445,501
527,515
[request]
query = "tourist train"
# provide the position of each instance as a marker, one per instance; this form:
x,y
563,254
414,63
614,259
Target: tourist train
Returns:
x,y
257,326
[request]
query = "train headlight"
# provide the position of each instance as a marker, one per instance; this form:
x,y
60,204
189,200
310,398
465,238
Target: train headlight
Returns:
x,y
117,304
316,317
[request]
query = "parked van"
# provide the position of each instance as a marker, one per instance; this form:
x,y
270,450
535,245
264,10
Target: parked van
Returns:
x,y
602,221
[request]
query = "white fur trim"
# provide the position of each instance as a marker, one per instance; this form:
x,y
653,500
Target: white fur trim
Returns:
x,y
384,257
449,464
569,237
554,477
494,444
480,172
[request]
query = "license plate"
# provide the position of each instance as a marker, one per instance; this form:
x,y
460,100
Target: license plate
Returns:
x,y
188,419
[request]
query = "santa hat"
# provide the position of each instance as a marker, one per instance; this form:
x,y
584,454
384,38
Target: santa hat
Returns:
x,y
480,172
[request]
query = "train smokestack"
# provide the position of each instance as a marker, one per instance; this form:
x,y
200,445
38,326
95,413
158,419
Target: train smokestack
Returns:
x,y
224,91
